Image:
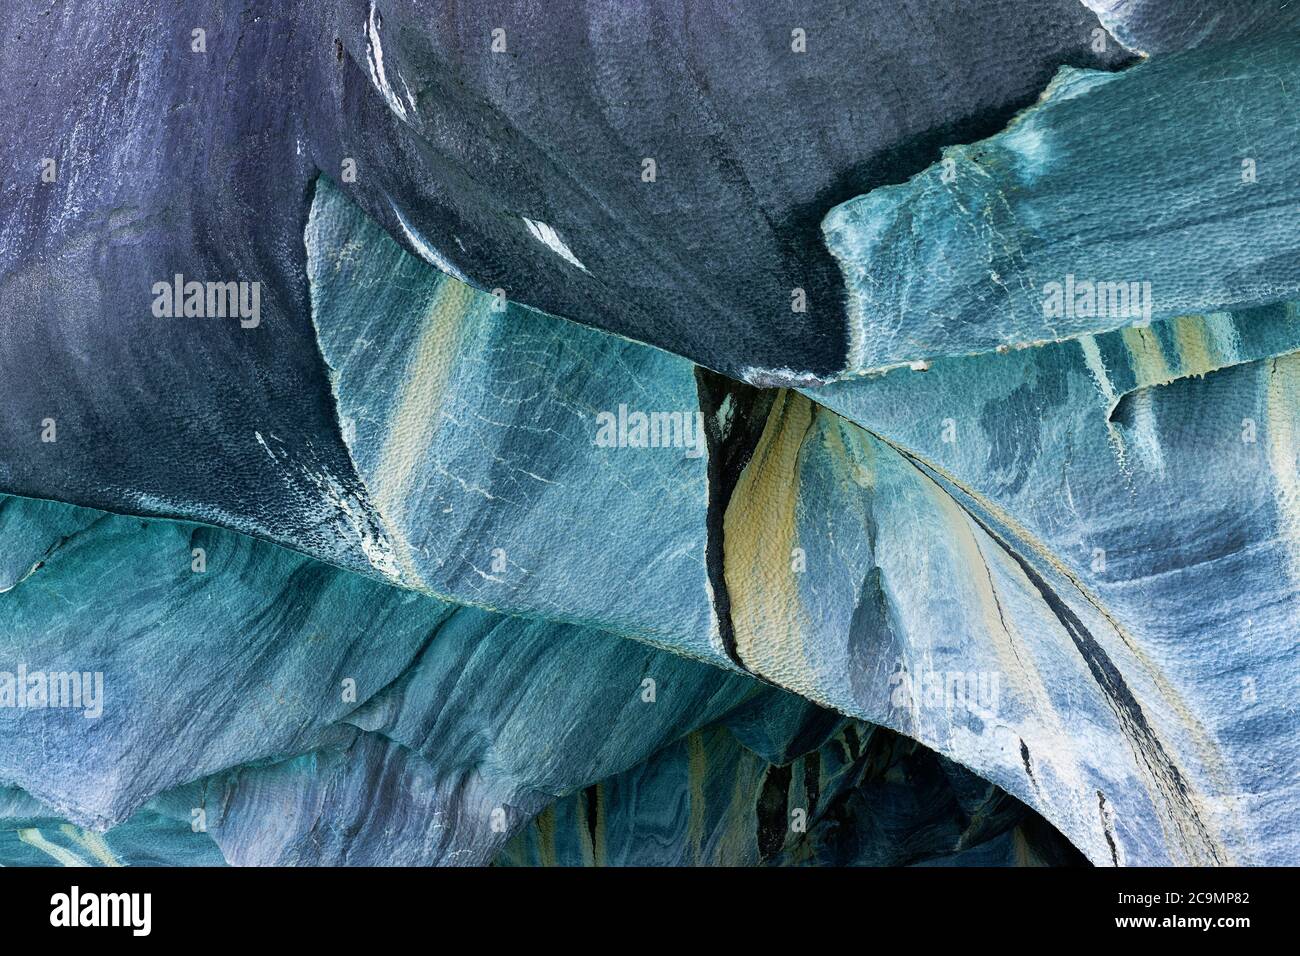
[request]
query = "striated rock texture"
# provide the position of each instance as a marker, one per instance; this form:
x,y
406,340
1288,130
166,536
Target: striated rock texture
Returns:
x,y
649,434
865,797
176,154
1109,203
470,421
1165,26
321,718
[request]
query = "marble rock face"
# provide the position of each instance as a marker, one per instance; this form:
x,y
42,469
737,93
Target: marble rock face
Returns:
x,y
594,434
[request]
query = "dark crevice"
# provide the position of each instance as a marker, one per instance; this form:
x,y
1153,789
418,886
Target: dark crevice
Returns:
x,y
1105,827
1024,756
592,797
734,417
773,812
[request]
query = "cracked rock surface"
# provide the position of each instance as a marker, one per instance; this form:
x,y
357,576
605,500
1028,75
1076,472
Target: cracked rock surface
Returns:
x,y
659,434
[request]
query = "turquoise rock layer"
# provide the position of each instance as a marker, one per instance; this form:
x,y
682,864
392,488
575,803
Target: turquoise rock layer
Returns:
x,y
1117,199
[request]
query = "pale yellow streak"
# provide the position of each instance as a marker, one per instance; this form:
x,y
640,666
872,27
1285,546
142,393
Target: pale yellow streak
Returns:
x,y
545,823
93,843
1149,363
1196,352
759,533
415,419
32,837
1283,402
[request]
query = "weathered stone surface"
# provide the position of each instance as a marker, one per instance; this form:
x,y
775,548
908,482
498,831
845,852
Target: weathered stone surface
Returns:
x,y
863,797
174,159
1110,202
1134,488
200,670
32,835
458,711
475,428
478,583
1165,26
752,142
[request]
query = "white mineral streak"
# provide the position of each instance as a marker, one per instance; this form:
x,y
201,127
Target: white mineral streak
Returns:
x,y
551,239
